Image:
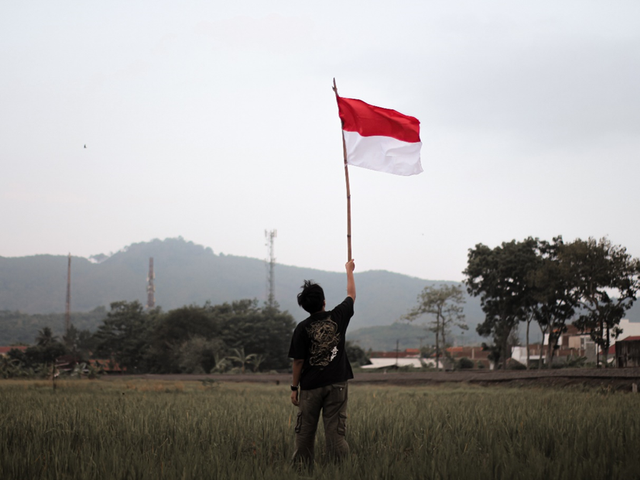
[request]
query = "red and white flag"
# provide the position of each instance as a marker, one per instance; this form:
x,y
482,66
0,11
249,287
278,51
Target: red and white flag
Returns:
x,y
380,138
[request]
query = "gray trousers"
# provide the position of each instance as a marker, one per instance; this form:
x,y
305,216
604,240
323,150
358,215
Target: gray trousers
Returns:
x,y
332,401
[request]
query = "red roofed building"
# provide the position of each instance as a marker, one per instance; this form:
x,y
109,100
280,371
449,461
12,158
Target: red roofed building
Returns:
x,y
408,353
5,350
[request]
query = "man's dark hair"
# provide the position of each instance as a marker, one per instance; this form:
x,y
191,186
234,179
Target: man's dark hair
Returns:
x,y
311,298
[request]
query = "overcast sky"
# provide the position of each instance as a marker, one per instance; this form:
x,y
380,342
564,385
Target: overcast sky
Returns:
x,y
216,120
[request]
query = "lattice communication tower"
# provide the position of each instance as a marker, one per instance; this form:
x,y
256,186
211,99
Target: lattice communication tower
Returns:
x,y
67,311
151,288
271,263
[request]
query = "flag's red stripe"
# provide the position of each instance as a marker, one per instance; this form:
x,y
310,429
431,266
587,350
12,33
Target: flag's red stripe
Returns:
x,y
369,120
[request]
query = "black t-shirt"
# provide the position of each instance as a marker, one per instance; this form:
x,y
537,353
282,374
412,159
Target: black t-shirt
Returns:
x,y
320,341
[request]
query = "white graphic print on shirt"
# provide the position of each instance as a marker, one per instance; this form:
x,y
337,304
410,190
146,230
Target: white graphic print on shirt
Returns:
x,y
324,338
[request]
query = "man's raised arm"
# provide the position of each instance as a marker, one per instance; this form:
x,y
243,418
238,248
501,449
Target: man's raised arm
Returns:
x,y
350,266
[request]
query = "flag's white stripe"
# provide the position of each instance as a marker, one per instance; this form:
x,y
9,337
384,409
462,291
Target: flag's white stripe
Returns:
x,y
384,154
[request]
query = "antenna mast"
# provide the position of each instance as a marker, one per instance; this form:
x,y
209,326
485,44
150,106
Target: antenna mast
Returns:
x,y
270,235
151,288
67,312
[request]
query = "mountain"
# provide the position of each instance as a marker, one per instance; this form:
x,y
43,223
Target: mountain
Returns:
x,y
186,273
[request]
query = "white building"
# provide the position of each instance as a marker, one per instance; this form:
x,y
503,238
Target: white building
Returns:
x,y
392,362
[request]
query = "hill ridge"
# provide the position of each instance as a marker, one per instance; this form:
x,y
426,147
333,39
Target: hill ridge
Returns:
x,y
188,273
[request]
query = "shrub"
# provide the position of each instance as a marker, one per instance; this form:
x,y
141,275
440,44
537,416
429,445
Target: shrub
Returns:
x,y
515,365
465,363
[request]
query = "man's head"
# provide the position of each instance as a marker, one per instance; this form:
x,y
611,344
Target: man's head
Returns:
x,y
311,298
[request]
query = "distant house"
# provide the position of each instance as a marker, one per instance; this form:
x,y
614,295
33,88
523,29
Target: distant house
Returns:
x,y
573,344
581,343
411,358
561,354
519,353
408,358
5,350
627,352
476,354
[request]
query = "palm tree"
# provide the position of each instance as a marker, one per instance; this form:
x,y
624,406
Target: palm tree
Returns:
x,y
256,361
241,358
45,337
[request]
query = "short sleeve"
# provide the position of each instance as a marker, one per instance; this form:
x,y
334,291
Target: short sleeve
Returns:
x,y
343,313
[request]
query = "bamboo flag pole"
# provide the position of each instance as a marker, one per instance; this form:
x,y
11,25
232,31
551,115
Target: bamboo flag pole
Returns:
x,y
346,177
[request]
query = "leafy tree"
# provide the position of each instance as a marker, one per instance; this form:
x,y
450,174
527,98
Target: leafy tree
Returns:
x,y
43,355
444,304
262,331
214,331
607,282
10,367
45,337
199,354
494,350
550,282
177,328
125,335
242,358
47,348
553,289
427,351
222,363
356,355
257,360
79,344
501,277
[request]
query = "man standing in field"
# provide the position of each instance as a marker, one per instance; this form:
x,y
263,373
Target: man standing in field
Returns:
x,y
321,370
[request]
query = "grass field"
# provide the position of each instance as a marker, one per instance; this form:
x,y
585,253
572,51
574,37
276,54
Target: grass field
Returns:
x,y
153,429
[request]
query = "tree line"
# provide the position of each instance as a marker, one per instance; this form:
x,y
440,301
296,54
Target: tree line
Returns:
x,y
190,339
231,337
590,283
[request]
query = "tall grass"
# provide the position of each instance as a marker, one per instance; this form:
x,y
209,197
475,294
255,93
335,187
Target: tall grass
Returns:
x,y
153,430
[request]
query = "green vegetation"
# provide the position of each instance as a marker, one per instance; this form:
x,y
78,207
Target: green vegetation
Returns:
x,y
189,274
356,355
152,429
444,304
552,283
193,339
